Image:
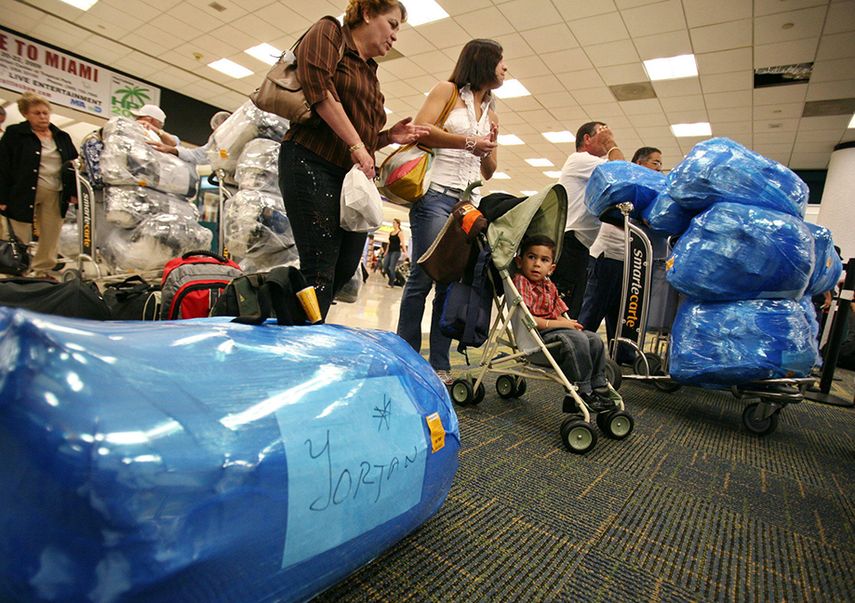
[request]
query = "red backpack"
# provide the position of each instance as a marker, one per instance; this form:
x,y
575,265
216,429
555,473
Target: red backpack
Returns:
x,y
192,283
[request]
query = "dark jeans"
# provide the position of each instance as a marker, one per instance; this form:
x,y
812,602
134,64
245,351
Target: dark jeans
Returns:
x,y
389,264
581,356
602,300
571,273
311,190
427,217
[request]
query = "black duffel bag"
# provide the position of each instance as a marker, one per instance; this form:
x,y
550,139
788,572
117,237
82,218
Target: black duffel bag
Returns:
x,y
133,299
74,298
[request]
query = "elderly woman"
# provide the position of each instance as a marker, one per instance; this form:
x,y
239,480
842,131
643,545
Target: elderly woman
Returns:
x,y
36,183
338,72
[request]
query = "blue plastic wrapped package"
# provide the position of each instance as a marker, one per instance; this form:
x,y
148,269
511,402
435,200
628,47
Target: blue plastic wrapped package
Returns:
x,y
720,169
666,216
810,315
732,252
207,461
827,266
739,342
614,182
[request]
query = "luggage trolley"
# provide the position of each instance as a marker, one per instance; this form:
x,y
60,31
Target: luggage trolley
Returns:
x,y
651,362
85,226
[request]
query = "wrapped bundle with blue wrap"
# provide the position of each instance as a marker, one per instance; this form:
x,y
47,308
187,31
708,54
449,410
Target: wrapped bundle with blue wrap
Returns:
x,y
664,215
737,342
827,266
615,182
720,169
810,315
203,460
733,251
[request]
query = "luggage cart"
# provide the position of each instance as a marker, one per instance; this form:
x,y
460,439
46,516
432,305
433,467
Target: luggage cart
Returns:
x,y
651,363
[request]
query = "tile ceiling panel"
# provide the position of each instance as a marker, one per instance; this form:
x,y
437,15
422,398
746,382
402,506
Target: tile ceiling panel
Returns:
x,y
612,53
669,44
768,7
794,25
577,9
836,46
724,61
785,53
623,74
831,70
602,28
831,90
485,23
550,39
841,18
704,12
514,46
712,38
780,94
681,87
728,82
654,19
530,14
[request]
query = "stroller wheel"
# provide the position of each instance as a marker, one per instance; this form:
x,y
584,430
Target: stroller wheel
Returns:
x,y
506,386
751,418
461,392
520,388
480,392
613,373
577,436
616,425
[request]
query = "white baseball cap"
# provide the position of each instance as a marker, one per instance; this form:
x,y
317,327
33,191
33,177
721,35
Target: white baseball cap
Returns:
x,y
152,111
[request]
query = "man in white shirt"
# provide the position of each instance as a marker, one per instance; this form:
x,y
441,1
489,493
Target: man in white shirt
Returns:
x,y
199,155
595,144
153,118
605,268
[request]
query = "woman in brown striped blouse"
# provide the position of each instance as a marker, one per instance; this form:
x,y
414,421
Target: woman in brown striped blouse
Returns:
x,y
338,72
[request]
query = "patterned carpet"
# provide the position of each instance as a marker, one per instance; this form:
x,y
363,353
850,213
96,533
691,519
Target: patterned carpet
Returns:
x,y
689,508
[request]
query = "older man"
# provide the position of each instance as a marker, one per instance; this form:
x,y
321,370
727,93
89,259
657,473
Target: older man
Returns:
x,y
153,118
595,144
199,155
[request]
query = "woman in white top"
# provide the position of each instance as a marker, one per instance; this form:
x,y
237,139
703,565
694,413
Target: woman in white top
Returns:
x,y
465,152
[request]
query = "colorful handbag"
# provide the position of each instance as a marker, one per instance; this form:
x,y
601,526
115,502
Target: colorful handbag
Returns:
x,y
405,174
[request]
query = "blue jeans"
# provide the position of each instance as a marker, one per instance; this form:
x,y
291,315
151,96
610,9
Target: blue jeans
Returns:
x,y
427,217
602,300
581,356
389,264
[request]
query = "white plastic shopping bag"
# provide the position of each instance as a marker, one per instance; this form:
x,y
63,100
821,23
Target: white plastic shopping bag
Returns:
x,y
361,206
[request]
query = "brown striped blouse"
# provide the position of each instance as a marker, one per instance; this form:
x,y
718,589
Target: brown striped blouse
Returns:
x,y
352,81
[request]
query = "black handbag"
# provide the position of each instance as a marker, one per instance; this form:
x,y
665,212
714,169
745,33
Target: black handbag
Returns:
x,y
14,258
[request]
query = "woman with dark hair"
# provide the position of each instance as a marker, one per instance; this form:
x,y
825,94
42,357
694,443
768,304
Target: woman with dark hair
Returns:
x,y
393,254
36,184
337,70
465,152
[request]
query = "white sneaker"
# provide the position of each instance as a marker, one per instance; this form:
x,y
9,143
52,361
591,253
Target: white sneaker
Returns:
x,y
445,377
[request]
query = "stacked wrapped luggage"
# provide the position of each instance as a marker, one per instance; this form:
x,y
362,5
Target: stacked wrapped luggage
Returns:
x,y
748,264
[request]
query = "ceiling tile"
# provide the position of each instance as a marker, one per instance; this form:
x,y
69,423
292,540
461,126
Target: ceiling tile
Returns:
x,y
785,53
604,111
458,8
809,161
809,134
794,93
485,23
532,66
530,14
837,46
593,96
577,9
514,46
543,84
823,146
724,36
621,52
831,90
704,12
832,70
826,122
641,107
730,114
669,44
602,28
694,102
550,39
681,87
433,61
768,7
728,82
778,149
780,111
724,100
623,74
654,18
443,33
774,126
793,25
687,117
573,59
841,17
411,42
586,78
553,100
724,61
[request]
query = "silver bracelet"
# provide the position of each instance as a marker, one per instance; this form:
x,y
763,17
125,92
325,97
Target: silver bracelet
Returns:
x,y
470,144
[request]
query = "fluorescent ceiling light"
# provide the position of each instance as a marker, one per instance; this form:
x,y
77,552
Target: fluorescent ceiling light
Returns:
x,y
230,68
509,139
558,137
528,193
671,68
555,174
852,122
511,89
387,110
264,53
424,11
701,128
341,18
500,176
539,162
81,4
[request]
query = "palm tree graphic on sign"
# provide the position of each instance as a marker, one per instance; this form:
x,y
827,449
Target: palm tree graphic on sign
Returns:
x,y
132,97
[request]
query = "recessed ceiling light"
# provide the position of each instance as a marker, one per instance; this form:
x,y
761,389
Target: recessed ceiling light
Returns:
x,y
264,53
554,174
528,193
559,137
500,176
697,129
424,11
230,68
81,4
671,68
539,162
511,89
509,139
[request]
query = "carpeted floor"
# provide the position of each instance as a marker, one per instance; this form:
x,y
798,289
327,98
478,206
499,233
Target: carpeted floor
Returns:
x,y
689,508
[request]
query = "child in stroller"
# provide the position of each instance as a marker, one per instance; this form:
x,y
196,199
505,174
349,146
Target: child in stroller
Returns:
x,y
581,354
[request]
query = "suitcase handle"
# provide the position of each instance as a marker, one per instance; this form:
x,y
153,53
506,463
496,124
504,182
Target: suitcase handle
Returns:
x,y
204,252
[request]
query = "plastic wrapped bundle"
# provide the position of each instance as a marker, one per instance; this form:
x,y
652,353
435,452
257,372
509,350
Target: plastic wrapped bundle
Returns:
x,y
127,206
154,242
128,159
258,166
738,342
664,215
827,266
245,124
282,460
69,235
813,321
719,169
258,232
615,182
732,252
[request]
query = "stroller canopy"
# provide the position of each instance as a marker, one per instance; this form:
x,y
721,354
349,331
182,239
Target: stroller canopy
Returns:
x,y
544,213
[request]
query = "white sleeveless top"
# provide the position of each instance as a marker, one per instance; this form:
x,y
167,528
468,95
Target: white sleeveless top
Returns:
x,y
457,168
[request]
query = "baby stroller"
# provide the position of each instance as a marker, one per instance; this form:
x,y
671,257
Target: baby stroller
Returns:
x,y
543,213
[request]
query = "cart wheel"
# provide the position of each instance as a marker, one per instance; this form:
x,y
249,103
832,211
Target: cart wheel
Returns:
x,y
757,426
616,425
461,392
506,386
613,373
520,388
577,436
655,365
480,392
72,274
